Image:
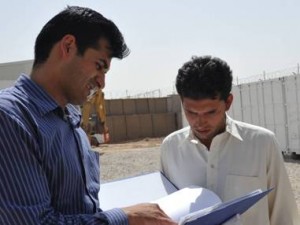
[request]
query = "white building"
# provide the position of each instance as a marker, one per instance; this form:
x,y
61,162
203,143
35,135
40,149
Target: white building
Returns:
x,y
9,72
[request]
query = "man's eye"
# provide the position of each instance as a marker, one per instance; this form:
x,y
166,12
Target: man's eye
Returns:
x,y
212,112
99,66
191,113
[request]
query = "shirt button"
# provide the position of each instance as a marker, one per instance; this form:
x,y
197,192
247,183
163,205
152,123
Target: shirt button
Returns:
x,y
212,166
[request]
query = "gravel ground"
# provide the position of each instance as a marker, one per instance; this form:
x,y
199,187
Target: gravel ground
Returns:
x,y
139,157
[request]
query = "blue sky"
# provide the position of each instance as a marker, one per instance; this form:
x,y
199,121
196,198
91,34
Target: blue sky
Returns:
x,y
252,36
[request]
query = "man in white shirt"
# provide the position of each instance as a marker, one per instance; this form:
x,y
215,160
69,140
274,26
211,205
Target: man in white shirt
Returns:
x,y
229,157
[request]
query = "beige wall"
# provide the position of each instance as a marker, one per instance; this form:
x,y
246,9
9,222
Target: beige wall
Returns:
x,y
130,119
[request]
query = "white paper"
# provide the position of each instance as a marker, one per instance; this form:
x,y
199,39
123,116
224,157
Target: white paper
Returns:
x,y
134,190
186,201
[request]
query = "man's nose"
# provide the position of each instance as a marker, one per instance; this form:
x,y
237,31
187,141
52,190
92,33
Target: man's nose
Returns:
x,y
100,79
201,120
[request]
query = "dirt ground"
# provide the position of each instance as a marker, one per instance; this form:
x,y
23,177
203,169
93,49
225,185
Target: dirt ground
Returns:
x,y
129,158
142,156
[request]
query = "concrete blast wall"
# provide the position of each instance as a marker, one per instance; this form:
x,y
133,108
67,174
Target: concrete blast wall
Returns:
x,y
130,119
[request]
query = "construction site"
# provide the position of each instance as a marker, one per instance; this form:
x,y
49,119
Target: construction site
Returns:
x,y
128,131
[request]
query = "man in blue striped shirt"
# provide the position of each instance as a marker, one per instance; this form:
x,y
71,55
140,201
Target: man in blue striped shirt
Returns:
x,y
49,175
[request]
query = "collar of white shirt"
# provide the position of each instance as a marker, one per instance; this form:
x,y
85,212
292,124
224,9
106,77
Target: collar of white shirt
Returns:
x,y
231,128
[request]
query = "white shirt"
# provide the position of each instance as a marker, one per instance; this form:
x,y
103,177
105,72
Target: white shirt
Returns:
x,y
241,159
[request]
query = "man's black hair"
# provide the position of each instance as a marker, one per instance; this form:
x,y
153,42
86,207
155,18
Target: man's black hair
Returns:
x,y
204,77
87,25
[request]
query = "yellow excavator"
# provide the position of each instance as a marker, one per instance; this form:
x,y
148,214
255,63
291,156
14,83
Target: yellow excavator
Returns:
x,y
94,119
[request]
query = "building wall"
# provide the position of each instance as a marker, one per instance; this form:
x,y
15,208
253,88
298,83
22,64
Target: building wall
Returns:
x,y
273,104
9,72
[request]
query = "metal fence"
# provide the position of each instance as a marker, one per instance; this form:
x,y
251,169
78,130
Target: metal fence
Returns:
x,y
268,75
171,90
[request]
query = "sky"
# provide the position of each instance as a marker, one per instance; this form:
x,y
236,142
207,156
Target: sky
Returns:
x,y
251,36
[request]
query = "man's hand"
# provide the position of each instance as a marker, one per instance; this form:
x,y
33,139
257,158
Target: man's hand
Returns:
x,y
147,214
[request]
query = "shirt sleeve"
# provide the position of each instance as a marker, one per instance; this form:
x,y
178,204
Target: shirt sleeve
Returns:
x,y
164,148
282,204
25,197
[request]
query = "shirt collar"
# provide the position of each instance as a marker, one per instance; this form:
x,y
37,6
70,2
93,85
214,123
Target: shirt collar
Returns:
x,y
44,102
231,128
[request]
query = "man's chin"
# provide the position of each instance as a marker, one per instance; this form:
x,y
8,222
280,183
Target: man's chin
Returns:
x,y
203,137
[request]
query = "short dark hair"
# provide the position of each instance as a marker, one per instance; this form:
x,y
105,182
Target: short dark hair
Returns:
x,y
204,77
87,25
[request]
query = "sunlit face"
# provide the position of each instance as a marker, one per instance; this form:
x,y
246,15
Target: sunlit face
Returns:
x,y
85,73
206,117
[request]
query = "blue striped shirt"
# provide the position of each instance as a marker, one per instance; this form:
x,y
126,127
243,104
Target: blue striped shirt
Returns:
x,y
48,173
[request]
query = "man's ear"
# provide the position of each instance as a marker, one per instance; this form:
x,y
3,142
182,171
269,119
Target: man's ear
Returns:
x,y
68,45
228,101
